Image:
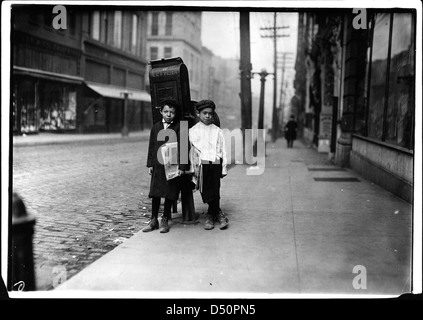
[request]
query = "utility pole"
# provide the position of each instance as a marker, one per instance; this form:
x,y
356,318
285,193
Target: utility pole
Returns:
x,y
275,70
245,70
125,130
282,93
263,74
275,66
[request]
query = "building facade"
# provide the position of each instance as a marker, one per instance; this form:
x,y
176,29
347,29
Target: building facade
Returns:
x,y
225,90
355,89
177,34
72,76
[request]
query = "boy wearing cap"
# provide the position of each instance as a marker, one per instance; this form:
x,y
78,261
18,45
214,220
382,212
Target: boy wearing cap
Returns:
x,y
208,142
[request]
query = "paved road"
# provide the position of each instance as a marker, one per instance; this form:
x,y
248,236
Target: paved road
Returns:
x,y
87,198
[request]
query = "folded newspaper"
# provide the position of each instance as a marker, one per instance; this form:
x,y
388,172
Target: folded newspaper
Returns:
x,y
169,153
196,168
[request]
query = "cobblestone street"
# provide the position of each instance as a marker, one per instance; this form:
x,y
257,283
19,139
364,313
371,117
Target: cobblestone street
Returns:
x,y
86,197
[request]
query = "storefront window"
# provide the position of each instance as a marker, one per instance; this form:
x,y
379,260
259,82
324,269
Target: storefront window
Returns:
x,y
134,115
58,106
391,99
400,103
95,115
378,75
25,112
70,110
15,120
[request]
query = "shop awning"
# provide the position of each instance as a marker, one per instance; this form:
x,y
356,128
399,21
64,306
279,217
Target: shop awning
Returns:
x,y
41,74
118,92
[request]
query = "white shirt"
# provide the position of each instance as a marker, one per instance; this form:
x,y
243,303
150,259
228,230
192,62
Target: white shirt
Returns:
x,y
209,140
165,124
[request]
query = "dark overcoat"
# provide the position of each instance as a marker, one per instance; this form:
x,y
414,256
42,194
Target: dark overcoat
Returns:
x,y
159,186
291,130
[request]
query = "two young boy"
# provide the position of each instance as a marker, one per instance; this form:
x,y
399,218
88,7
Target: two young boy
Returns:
x,y
208,144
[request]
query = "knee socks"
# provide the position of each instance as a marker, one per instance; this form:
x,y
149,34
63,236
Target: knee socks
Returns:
x,y
155,205
167,208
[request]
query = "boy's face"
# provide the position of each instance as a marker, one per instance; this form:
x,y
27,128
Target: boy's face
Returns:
x,y
206,115
168,113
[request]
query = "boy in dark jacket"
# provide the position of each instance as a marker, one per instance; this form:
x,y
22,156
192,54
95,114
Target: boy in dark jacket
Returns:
x,y
160,187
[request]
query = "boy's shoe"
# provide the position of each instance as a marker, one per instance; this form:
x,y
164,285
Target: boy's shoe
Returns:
x,y
209,224
152,225
223,220
164,226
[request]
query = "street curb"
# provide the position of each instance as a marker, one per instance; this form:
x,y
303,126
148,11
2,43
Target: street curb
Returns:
x,y
77,141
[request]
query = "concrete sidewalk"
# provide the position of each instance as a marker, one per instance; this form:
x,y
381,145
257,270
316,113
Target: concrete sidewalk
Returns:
x,y
302,227
46,138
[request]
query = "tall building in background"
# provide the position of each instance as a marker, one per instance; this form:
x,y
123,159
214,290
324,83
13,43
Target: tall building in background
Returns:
x,y
74,78
225,91
207,73
177,34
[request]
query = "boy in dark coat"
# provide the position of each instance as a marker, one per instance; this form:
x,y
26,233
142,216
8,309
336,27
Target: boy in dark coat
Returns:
x,y
160,187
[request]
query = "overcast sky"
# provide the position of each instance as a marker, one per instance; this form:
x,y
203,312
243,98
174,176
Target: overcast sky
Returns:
x,y
220,33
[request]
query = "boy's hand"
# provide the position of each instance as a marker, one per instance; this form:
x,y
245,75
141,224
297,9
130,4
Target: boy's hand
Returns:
x,y
180,172
224,171
150,171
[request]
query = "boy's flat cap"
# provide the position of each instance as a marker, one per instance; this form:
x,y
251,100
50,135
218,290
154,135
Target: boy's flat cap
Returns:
x,y
200,105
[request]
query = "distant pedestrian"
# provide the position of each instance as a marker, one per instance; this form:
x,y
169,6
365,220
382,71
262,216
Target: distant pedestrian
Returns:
x,y
209,159
160,187
291,132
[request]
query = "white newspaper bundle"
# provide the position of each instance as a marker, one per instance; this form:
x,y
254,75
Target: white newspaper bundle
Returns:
x,y
169,153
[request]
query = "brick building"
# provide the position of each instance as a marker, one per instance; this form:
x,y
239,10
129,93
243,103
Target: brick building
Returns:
x,y
73,78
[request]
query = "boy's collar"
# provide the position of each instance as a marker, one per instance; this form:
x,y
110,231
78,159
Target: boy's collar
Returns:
x,y
207,125
163,120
